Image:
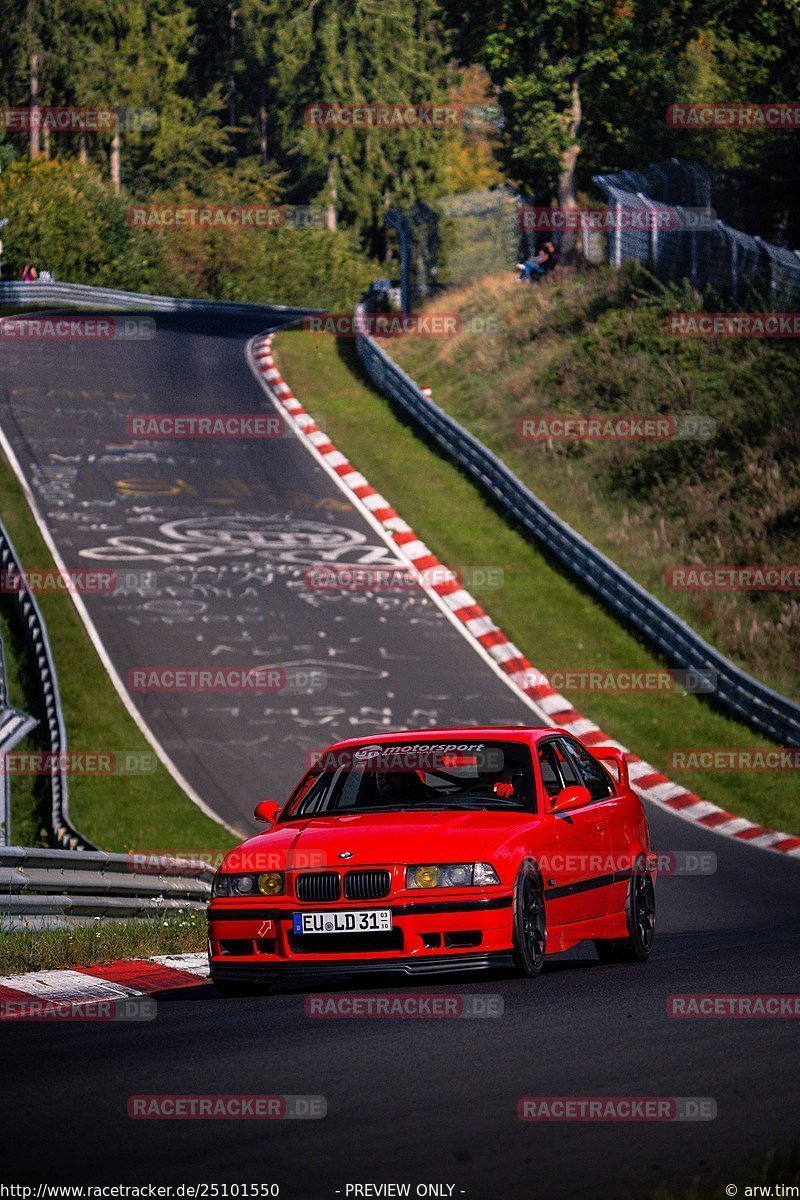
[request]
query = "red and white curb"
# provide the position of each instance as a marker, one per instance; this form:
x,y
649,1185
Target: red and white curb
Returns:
x,y
107,982
493,645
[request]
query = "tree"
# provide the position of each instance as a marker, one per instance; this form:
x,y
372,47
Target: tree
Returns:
x,y
585,84
471,162
356,53
567,71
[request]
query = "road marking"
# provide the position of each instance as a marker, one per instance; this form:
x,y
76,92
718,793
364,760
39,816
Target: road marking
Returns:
x,y
196,964
66,985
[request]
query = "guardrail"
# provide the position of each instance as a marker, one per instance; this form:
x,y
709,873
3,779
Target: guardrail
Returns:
x,y
59,884
35,632
739,693
13,727
83,295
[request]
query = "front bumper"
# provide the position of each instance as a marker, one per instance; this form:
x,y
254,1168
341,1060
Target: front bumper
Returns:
x,y
255,940
262,973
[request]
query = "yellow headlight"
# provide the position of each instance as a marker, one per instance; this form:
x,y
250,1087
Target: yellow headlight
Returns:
x,y
270,883
426,877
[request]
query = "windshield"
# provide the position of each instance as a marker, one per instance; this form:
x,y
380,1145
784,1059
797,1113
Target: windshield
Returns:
x,y
417,776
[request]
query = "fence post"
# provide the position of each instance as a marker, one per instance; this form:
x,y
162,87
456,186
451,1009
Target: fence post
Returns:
x,y
773,267
651,207
734,269
398,221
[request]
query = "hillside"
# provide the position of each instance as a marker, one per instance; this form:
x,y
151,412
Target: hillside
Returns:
x,y
594,343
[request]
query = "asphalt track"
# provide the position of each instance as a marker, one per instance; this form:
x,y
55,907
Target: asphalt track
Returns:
x,y
417,1101
211,543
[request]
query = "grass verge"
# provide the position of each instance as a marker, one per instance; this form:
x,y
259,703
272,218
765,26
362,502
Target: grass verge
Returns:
x,y
557,625
117,812
778,1168
24,950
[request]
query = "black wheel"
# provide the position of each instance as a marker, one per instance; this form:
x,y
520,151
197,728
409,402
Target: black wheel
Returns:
x,y
530,922
641,914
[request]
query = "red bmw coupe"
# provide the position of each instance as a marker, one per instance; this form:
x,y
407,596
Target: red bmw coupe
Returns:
x,y
438,850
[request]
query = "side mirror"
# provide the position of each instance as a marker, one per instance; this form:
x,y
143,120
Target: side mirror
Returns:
x,y
267,810
571,797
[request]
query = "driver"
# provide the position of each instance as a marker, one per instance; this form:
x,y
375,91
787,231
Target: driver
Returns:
x,y
398,787
509,783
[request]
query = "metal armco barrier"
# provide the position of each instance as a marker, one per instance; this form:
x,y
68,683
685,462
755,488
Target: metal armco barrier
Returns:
x,y
13,727
80,295
742,696
59,883
35,633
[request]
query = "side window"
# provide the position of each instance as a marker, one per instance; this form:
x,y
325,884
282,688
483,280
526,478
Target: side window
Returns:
x,y
591,773
567,766
548,765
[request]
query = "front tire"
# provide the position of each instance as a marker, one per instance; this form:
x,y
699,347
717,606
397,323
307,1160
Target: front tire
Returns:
x,y
641,914
530,922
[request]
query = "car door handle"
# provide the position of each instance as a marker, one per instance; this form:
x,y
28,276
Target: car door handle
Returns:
x,y
601,827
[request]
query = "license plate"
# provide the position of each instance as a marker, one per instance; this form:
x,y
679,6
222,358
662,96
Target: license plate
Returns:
x,y
369,920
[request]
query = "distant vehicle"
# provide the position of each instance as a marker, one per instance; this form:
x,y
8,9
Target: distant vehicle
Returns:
x,y
438,850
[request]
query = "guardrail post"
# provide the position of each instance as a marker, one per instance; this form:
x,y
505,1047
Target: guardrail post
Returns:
x,y
653,209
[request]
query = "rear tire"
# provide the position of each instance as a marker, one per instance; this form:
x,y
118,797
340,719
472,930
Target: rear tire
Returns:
x,y
530,922
641,914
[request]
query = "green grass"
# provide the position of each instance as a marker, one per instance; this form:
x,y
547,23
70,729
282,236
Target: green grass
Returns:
x,y
556,625
24,950
121,813
776,1167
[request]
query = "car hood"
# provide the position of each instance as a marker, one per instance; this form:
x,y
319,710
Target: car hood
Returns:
x,y
376,839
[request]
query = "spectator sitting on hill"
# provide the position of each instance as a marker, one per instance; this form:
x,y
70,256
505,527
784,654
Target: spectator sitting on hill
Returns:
x,y
551,260
534,268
